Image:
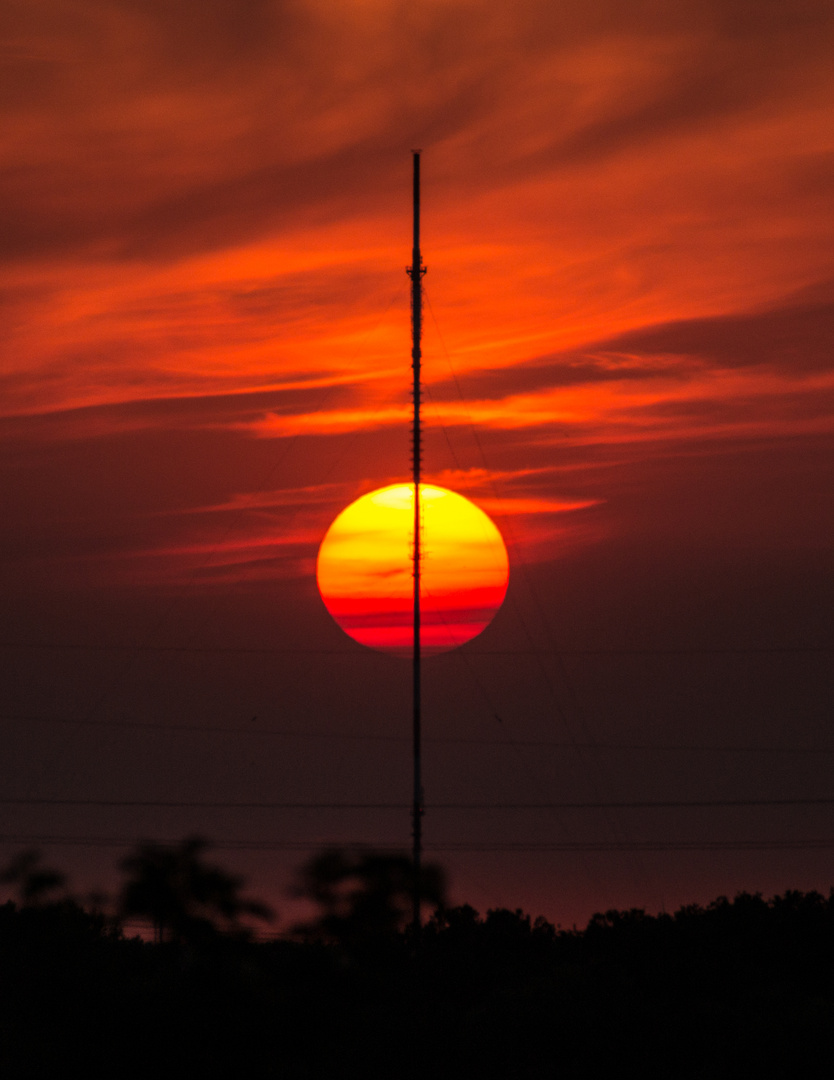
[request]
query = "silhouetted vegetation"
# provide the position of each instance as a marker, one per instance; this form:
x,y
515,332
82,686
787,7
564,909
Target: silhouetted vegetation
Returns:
x,y
739,988
32,881
364,898
185,898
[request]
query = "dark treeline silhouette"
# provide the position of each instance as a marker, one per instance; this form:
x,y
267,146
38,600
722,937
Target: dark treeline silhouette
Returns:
x,y
740,988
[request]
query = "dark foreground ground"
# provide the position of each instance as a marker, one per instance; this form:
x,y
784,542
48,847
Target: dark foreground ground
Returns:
x,y
742,988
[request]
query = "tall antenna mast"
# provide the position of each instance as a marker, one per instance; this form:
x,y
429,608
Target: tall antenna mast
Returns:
x,y
415,272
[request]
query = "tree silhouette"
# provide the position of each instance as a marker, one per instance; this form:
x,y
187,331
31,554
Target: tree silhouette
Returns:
x,y
186,898
33,881
364,896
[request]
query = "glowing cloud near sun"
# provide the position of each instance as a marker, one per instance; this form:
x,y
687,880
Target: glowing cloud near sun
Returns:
x,y
364,569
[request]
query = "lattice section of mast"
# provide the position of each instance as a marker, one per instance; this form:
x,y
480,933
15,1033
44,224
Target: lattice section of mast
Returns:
x,y
415,271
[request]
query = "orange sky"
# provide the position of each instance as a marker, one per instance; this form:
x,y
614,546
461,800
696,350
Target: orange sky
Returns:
x,y
626,221
206,219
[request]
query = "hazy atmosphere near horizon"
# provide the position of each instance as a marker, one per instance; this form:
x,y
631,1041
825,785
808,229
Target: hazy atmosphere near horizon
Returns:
x,y
628,364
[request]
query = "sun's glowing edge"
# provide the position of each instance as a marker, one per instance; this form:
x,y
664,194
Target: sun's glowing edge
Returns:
x,y
364,569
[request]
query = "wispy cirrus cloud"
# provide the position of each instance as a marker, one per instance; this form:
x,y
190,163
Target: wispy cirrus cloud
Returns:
x,y
198,203
771,371
627,221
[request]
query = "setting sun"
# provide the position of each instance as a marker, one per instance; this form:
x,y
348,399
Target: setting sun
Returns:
x,y
364,569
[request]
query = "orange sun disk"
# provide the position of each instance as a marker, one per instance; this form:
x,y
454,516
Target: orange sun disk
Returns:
x,y
365,569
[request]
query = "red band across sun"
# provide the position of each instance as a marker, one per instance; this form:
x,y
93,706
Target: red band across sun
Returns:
x,y
365,569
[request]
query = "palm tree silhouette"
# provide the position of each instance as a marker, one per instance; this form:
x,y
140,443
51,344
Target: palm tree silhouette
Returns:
x,y
364,896
185,898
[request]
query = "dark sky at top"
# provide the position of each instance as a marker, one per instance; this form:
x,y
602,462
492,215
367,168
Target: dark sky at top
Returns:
x,y
628,362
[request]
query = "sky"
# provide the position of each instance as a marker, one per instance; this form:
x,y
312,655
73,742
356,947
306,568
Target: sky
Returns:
x,y
627,224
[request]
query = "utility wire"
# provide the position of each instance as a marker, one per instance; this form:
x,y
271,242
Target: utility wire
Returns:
x,y
813,844
646,804
471,650
362,736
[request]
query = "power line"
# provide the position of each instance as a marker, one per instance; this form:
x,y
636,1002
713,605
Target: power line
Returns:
x,y
755,650
641,845
647,804
290,733
489,847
